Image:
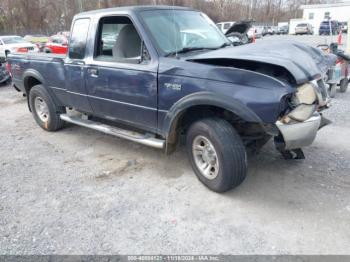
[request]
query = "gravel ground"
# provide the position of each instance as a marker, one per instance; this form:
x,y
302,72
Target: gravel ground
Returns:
x,y
78,191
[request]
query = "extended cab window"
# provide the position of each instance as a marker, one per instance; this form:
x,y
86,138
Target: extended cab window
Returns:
x,y
118,41
77,44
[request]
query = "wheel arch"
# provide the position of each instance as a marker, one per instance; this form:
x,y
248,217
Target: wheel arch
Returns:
x,y
200,105
32,78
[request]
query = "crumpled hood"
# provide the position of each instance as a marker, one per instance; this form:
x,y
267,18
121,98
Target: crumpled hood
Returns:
x,y
303,62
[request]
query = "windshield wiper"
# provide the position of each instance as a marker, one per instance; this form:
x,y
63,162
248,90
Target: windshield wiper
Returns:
x,y
188,49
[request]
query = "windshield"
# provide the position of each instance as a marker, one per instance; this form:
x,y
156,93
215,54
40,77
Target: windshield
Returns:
x,y
13,40
175,30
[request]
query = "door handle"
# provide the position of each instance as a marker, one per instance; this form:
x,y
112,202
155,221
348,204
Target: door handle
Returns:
x,y
81,63
93,72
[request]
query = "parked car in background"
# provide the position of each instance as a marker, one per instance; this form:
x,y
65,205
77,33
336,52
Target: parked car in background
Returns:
x,y
240,33
38,40
344,26
283,30
57,44
269,30
11,44
254,32
304,29
5,76
274,30
224,26
259,31
244,31
328,27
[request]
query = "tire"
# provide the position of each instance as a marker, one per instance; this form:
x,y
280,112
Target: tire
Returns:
x,y
344,85
45,112
230,166
332,90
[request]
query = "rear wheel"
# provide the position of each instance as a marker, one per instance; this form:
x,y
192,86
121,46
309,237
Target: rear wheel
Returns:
x,y
44,110
344,85
217,154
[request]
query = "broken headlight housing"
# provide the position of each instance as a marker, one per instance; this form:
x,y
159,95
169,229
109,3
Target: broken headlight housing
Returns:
x,y
305,95
302,112
303,104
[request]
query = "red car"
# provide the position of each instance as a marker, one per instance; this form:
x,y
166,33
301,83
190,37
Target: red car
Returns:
x,y
57,44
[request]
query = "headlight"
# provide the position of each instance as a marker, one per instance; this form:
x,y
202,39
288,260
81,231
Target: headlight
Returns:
x,y
302,112
304,104
305,95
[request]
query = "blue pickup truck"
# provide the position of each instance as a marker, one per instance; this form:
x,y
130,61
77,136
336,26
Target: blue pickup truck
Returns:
x,y
155,74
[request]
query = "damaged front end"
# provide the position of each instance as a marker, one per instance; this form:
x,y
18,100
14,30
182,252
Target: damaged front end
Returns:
x,y
302,118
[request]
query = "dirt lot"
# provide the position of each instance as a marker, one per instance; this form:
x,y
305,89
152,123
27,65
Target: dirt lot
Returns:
x,y
81,192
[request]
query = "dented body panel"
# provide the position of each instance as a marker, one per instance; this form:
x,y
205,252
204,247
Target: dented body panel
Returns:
x,y
302,62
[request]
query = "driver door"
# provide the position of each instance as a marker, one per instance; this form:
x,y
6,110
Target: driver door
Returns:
x,y
122,82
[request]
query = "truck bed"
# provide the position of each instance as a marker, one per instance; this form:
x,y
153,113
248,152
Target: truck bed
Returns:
x,y
37,56
49,65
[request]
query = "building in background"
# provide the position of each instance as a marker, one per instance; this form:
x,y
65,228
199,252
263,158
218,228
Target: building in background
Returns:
x,y
315,14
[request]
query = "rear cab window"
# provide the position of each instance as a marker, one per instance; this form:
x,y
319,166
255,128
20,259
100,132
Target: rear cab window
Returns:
x,y
77,44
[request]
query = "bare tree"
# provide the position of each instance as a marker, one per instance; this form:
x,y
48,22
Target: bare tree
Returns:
x,y
49,16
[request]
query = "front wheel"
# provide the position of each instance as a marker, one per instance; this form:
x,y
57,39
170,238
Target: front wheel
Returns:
x,y
217,154
45,112
344,85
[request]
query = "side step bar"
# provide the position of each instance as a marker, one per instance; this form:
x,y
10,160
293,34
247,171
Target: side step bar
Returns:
x,y
145,139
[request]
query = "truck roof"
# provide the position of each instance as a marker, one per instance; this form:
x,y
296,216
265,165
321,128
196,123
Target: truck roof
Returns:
x,y
131,9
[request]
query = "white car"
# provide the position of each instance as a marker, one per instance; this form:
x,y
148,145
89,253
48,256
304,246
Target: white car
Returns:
x,y
11,44
254,31
259,31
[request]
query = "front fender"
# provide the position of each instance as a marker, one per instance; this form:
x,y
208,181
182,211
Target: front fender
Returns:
x,y
206,98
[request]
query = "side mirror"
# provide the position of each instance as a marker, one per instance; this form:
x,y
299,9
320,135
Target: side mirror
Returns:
x,y
145,57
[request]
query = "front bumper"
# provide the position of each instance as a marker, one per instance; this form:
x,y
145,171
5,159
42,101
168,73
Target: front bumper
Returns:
x,y
299,134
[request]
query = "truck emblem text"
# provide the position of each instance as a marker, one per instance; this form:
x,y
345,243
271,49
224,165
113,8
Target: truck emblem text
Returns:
x,y
176,87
